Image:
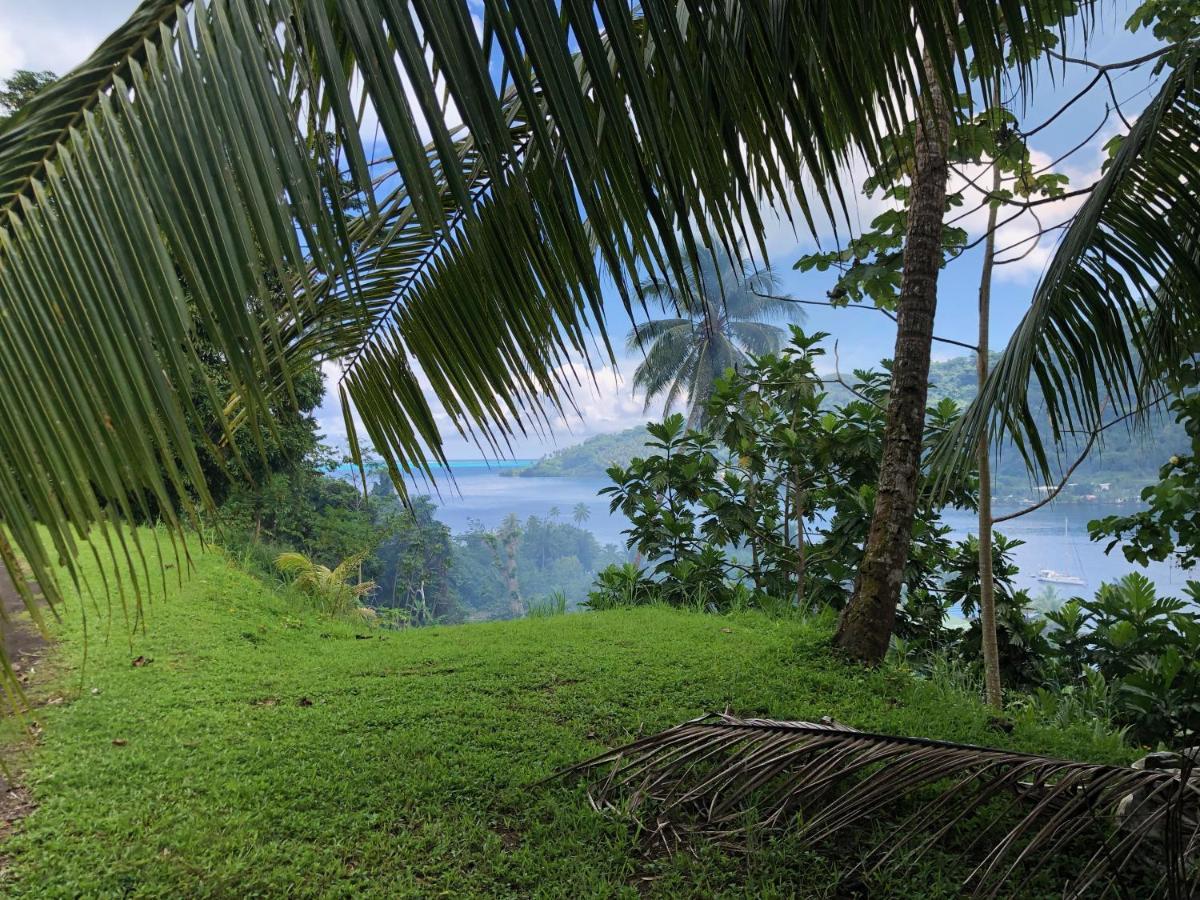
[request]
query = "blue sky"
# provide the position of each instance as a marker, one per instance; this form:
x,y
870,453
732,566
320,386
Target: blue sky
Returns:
x,y
58,34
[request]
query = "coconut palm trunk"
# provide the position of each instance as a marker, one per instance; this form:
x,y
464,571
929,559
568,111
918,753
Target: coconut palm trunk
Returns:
x,y
866,624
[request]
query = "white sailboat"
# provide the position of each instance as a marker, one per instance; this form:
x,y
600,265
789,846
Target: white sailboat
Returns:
x,y
1052,576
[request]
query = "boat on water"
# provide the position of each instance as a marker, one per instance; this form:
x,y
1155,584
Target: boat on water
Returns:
x,y
1052,577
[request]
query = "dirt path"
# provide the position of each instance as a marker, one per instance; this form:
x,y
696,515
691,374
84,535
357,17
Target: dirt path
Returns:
x,y
24,646
23,643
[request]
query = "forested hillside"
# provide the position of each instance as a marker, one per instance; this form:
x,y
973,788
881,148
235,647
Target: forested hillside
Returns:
x,y
1125,460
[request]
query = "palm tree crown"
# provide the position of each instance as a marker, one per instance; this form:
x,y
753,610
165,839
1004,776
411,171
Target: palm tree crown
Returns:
x,y
721,317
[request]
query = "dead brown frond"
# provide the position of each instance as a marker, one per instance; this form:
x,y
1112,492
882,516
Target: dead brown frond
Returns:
x,y
719,774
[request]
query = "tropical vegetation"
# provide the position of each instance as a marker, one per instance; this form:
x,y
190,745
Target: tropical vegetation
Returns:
x,y
435,202
722,317
267,750
583,162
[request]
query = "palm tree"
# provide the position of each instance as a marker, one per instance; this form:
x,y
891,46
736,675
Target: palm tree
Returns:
x,y
721,317
192,171
865,627
581,513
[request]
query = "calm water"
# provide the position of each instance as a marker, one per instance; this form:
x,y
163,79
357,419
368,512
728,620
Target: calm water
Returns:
x,y
1055,537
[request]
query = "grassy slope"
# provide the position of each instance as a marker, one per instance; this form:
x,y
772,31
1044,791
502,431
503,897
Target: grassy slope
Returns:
x,y
408,774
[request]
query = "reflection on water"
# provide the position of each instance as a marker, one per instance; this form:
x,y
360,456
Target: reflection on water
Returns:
x,y
1055,536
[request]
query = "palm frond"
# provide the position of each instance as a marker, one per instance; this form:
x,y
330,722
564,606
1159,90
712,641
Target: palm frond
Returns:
x,y
720,774
293,564
671,355
758,338
196,160
646,333
1115,315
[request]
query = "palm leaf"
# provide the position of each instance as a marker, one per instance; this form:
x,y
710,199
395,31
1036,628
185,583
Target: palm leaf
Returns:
x,y
197,159
1115,316
757,338
293,564
673,353
645,333
720,775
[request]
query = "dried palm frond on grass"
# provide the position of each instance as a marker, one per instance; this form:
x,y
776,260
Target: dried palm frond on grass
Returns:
x,y
721,775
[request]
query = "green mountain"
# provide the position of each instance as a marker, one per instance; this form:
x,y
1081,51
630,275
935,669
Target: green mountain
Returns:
x,y
592,457
1116,469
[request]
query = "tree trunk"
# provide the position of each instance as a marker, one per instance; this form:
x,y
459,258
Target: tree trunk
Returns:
x,y
515,603
801,549
866,624
987,582
755,562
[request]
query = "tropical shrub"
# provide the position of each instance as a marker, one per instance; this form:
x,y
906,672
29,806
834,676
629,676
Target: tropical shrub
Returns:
x,y
1145,647
774,500
622,585
1020,638
1169,527
330,589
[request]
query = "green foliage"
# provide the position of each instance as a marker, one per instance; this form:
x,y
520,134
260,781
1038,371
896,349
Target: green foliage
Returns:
x,y
1019,634
1170,21
413,564
869,267
309,763
546,557
1169,528
20,87
1147,649
299,508
620,586
1127,660
331,589
776,500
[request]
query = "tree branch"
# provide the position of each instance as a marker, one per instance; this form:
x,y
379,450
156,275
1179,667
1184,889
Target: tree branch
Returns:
x,y
1108,67
1095,433
878,309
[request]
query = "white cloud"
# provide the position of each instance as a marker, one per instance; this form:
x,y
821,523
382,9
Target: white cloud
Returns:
x,y
607,404
1023,245
55,34
601,402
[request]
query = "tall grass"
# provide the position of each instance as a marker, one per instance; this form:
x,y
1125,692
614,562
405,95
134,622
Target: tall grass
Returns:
x,y
555,604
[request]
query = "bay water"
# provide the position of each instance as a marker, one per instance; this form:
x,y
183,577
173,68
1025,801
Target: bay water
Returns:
x,y
1054,537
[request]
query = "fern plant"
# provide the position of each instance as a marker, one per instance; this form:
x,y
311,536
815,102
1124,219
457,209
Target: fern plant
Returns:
x,y
329,588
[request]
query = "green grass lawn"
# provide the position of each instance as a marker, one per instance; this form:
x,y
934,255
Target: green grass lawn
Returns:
x,y
264,751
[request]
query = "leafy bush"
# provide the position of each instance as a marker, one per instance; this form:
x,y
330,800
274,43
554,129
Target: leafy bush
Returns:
x,y
1146,649
329,588
776,501
1169,526
620,586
